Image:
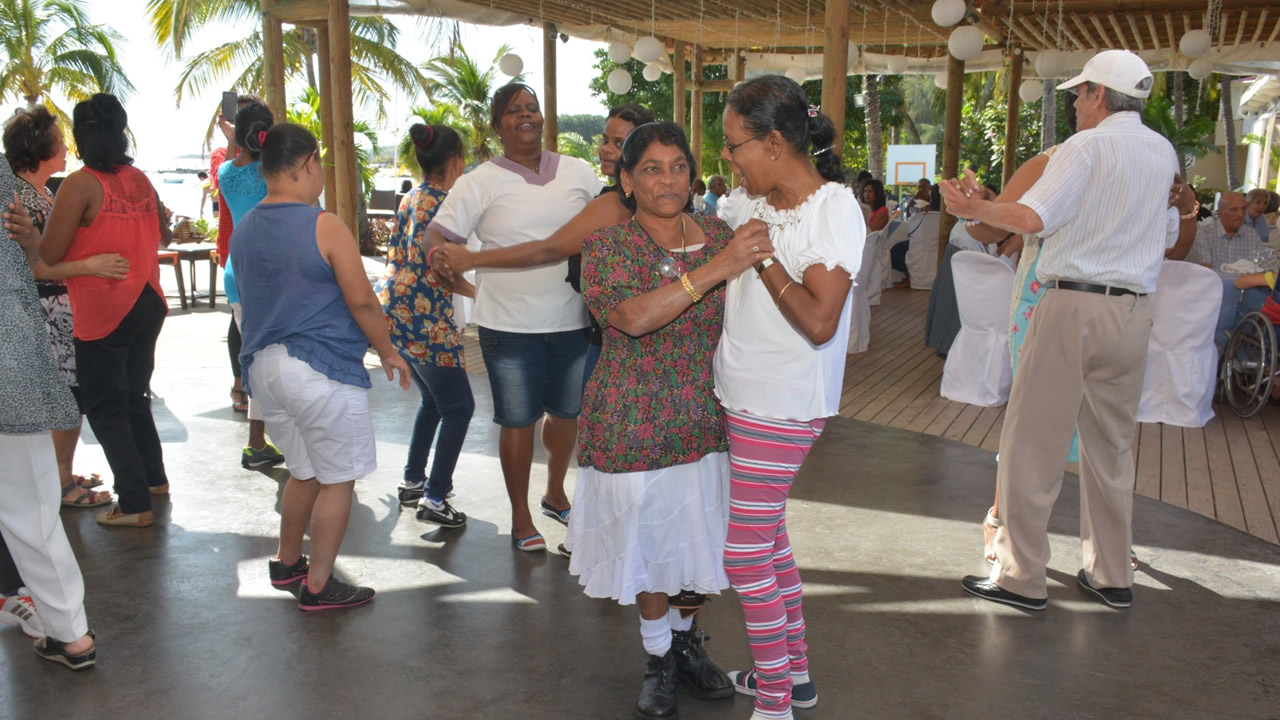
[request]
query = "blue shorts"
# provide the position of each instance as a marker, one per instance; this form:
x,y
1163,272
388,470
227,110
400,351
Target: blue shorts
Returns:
x,y
533,373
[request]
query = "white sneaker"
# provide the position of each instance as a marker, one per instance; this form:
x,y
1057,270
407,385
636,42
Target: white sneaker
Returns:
x,y
20,610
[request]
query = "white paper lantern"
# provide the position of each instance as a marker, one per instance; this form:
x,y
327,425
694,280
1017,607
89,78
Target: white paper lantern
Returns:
x,y
1200,68
796,74
1049,63
965,42
619,52
511,64
652,71
854,53
1031,90
649,49
1195,43
619,81
897,64
948,12
940,80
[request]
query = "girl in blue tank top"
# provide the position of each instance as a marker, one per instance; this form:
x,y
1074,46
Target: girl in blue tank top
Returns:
x,y
308,315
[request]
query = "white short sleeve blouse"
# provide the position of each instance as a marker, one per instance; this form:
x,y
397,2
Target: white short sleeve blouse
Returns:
x,y
504,204
763,365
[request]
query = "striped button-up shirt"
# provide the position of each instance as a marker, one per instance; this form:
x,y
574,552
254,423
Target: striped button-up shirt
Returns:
x,y
1214,247
1103,200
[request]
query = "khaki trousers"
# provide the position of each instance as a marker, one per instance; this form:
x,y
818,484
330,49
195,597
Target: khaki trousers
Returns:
x,y
1082,367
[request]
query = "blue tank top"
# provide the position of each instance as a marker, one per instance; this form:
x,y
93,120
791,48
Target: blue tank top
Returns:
x,y
241,188
289,294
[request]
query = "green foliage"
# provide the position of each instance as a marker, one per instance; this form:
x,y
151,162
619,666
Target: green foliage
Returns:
x,y
573,145
587,126
305,111
459,80
50,45
441,113
1188,140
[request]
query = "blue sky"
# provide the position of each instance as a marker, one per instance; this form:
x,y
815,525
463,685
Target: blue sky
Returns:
x,y
164,132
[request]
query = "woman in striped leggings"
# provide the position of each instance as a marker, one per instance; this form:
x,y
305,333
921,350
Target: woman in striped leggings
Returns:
x,y
780,363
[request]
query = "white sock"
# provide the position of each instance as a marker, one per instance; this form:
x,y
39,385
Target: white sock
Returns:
x,y
799,678
656,635
679,623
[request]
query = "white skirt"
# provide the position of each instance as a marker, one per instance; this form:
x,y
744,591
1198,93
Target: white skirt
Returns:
x,y
659,531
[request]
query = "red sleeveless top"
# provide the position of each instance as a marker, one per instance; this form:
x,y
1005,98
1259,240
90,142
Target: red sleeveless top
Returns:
x,y
128,224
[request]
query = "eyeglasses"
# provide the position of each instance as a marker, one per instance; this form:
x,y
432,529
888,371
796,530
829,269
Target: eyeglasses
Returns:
x,y
734,146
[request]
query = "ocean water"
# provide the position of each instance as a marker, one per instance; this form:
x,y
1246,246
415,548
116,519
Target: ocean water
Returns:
x,y
176,182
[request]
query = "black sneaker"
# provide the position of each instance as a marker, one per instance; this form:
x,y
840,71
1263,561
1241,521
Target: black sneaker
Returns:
x,y
410,493
335,595
56,650
1114,597
282,574
442,514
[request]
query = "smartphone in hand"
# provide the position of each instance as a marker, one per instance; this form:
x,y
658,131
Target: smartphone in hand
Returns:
x,y
229,105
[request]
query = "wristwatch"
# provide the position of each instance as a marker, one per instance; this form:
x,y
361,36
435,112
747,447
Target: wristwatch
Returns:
x,y
765,264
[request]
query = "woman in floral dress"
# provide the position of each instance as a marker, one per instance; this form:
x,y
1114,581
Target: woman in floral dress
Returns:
x,y
650,507
420,319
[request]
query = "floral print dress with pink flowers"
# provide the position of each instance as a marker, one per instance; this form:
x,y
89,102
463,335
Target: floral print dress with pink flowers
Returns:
x,y
650,403
419,312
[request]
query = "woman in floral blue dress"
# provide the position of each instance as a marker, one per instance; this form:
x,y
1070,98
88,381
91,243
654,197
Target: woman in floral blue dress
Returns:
x,y
420,318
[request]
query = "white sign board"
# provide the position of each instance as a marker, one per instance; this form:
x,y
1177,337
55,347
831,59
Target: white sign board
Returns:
x,y
908,163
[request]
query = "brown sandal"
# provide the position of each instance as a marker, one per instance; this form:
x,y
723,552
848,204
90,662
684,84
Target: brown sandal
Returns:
x,y
87,499
92,481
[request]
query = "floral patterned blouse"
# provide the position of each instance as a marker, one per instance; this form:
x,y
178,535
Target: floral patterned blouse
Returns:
x,y
650,403
419,312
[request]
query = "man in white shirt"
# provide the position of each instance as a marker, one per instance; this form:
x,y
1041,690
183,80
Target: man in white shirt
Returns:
x,y
1103,198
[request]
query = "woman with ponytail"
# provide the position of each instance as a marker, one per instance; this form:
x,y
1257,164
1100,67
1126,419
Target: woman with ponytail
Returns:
x,y
243,186
420,317
780,363
309,316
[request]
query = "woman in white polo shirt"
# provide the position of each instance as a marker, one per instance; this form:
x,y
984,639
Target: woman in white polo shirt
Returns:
x,y
533,327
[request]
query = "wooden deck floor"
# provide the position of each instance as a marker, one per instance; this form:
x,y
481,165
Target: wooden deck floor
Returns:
x,y
1228,470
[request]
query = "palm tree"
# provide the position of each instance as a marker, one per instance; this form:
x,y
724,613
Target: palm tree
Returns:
x,y
1229,125
1187,138
875,136
305,111
441,113
50,45
374,59
460,81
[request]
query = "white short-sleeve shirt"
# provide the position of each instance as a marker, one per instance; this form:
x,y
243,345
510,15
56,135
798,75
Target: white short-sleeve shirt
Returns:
x,y
763,365
504,204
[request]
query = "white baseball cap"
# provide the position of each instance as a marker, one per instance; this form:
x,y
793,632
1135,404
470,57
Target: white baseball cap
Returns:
x,y
1118,70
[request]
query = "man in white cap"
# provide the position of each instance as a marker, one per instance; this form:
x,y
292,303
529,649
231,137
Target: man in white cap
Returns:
x,y
1101,207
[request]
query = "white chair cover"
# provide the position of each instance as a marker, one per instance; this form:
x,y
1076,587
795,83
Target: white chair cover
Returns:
x,y
880,275
922,252
860,317
1182,362
977,370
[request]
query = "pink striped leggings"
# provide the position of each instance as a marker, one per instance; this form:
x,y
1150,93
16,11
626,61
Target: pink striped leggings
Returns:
x,y
764,457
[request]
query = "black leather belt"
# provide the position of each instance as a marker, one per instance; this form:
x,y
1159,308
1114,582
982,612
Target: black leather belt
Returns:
x,y
1092,288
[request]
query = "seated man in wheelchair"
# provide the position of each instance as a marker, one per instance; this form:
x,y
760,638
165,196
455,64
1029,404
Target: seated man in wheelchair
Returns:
x,y
1270,307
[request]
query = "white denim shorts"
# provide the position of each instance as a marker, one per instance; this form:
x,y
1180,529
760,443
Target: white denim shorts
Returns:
x,y
322,426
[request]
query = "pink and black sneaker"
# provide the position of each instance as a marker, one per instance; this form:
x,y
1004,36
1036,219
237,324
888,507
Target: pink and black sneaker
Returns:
x,y
335,595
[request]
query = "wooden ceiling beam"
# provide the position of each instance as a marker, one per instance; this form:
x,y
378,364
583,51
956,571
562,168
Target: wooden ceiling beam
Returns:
x,y
1257,30
1275,30
1156,40
1168,25
1091,43
1242,18
1102,32
1137,34
1115,25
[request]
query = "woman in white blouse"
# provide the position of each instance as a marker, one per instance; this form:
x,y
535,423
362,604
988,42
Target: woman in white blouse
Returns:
x,y
533,326
780,363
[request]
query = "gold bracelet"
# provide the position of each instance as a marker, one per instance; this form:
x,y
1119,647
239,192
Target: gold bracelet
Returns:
x,y
784,289
688,287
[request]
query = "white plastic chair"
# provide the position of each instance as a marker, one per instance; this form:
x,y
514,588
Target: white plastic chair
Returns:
x,y
860,317
922,250
977,370
1182,361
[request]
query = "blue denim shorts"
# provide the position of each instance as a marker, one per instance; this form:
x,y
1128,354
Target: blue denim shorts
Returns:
x,y
534,373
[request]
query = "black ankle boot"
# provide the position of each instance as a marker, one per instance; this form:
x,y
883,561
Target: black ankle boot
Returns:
x,y
657,699
694,668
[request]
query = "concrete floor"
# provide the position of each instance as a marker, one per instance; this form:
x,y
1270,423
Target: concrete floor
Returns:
x,y
884,524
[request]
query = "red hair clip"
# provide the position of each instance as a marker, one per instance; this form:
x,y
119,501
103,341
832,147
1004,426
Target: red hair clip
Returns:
x,y
262,137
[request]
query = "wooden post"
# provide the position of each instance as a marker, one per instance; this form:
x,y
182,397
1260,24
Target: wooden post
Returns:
x,y
835,70
1011,114
1266,153
695,109
951,143
326,118
550,126
273,62
738,65
678,84
346,187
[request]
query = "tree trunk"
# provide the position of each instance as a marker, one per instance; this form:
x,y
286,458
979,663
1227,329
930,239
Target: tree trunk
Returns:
x,y
309,37
1229,126
1048,116
1179,98
875,136
912,130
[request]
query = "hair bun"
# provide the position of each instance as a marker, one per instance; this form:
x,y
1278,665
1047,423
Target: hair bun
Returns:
x,y
422,135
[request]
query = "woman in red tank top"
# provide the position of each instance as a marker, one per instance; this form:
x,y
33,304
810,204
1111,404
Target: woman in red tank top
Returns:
x,y
110,206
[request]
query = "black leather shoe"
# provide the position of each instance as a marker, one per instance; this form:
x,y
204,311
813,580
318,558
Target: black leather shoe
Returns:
x,y
1115,597
694,668
988,590
657,699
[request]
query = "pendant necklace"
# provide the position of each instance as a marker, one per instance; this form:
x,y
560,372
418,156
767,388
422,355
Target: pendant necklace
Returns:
x,y
669,266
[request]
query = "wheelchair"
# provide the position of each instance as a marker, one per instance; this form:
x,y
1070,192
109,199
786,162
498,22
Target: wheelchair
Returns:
x,y
1250,365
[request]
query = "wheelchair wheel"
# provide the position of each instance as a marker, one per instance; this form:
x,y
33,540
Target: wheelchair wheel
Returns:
x,y
1249,366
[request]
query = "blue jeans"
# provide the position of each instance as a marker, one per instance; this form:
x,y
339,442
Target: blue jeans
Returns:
x,y
589,363
1236,304
534,373
447,403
